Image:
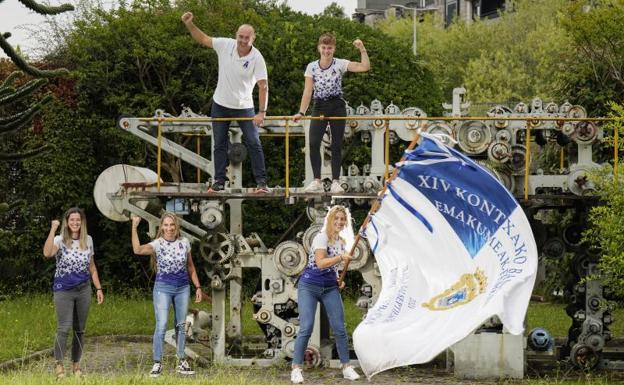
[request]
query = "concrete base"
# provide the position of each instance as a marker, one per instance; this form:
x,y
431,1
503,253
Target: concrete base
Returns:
x,y
489,355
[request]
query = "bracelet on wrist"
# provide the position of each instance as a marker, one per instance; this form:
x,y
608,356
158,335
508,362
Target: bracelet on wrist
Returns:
x,y
301,113
98,289
197,287
262,112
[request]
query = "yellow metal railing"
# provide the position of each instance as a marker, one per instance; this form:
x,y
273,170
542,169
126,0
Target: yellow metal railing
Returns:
x,y
527,160
532,121
158,156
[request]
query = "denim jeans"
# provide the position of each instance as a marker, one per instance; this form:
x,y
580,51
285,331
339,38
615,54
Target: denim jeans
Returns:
x,y
251,137
164,296
308,297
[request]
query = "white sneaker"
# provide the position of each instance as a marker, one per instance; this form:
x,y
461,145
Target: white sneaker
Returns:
x,y
336,188
156,370
314,187
296,376
184,368
349,373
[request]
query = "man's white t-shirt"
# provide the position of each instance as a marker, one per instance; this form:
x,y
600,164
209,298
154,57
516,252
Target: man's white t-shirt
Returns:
x,y
237,75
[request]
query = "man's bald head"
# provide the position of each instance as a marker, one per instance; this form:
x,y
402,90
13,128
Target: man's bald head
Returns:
x,y
245,36
246,28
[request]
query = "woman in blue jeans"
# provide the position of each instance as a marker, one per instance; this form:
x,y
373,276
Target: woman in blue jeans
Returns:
x,y
171,257
319,283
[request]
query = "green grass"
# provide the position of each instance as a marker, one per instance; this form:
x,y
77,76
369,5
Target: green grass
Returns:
x,y
553,318
274,376
224,378
28,323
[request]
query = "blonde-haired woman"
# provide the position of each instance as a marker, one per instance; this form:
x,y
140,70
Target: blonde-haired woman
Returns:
x,y
174,265
319,283
75,263
323,87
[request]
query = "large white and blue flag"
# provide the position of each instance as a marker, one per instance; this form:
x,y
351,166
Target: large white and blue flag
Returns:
x,y
454,248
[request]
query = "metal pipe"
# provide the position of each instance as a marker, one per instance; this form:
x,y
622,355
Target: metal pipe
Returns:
x,y
158,157
385,117
527,160
198,153
387,149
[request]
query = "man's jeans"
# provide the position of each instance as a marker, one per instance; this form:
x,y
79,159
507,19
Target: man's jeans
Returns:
x,y
251,137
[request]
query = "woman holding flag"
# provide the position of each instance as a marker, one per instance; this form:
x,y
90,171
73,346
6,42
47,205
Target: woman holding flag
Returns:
x,y
319,283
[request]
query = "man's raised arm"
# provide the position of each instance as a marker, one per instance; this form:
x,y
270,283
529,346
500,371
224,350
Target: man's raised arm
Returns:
x,y
195,32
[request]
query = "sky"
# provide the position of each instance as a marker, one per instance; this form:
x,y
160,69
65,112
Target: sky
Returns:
x,y
20,21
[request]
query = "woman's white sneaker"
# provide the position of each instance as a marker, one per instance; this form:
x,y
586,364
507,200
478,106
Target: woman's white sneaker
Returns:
x,y
349,373
336,188
184,368
314,187
296,376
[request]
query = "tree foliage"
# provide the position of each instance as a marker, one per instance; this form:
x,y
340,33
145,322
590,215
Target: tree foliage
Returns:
x,y
606,220
595,72
14,119
334,10
516,57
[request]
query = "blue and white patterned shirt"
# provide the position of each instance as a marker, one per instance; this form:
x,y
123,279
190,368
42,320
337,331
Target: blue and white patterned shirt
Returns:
x,y
322,277
72,264
327,81
171,259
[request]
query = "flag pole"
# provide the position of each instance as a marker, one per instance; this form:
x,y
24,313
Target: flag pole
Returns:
x,y
375,207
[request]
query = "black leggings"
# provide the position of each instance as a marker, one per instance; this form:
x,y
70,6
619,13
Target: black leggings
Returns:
x,y
331,107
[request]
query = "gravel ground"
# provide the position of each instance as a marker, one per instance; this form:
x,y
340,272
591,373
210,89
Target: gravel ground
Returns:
x,y
106,356
114,356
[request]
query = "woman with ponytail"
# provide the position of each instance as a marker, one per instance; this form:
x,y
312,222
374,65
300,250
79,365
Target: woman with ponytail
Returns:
x,y
171,255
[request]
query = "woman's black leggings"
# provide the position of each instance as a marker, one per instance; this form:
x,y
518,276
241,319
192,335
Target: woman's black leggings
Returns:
x,y
330,107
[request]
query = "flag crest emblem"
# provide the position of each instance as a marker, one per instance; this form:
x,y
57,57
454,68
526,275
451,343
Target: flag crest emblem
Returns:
x,y
467,288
